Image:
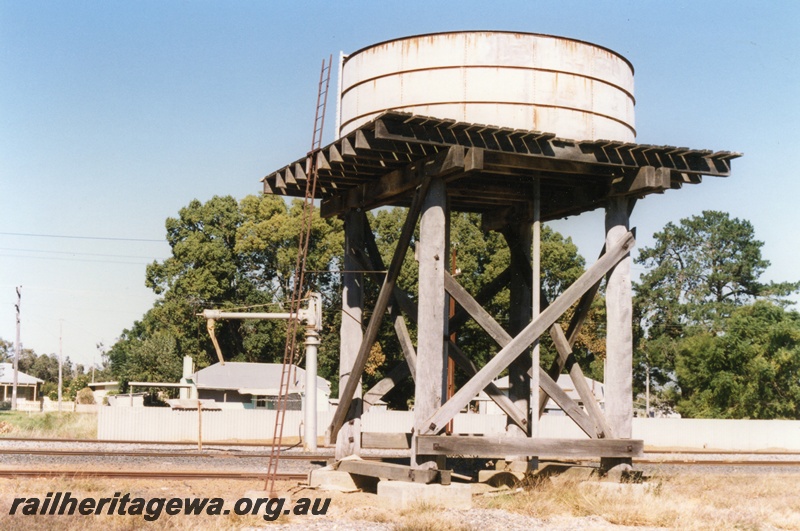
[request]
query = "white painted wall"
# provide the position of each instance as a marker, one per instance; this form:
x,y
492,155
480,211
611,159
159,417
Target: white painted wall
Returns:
x,y
163,424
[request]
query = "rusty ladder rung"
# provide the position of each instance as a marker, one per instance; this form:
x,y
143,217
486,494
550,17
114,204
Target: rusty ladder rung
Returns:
x,y
299,277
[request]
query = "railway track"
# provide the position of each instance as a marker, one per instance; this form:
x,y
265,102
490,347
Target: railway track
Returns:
x,y
146,474
264,444
716,462
223,451
140,453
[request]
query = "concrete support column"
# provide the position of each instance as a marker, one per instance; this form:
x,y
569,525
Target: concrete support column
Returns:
x,y
350,331
619,335
431,381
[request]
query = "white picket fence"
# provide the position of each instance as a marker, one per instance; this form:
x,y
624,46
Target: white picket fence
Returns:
x,y
163,424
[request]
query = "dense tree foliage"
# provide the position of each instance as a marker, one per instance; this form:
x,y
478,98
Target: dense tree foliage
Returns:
x,y
703,275
228,254
700,271
750,371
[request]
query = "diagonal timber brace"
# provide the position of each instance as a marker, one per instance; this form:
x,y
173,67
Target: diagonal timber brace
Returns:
x,y
563,344
486,294
529,334
503,338
375,262
566,359
492,391
381,305
564,349
442,164
395,376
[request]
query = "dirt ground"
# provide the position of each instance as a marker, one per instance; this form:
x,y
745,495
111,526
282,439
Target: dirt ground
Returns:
x,y
689,501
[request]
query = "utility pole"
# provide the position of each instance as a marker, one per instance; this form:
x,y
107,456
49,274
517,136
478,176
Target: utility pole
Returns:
x,y
647,391
60,360
16,355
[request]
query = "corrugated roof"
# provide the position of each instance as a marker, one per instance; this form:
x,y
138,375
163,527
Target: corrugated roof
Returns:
x,y
7,376
243,375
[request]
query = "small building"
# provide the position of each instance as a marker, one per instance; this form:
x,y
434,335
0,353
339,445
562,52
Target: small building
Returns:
x,y
28,386
484,404
254,386
101,389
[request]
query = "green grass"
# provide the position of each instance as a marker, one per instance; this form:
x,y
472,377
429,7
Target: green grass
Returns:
x,y
48,425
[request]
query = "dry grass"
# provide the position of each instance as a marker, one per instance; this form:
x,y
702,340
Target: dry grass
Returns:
x,y
425,517
687,501
49,425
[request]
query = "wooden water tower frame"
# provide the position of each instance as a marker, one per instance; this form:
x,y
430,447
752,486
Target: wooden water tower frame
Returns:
x,y
515,179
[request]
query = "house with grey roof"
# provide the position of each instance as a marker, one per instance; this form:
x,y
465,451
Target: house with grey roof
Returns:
x,y
239,384
27,386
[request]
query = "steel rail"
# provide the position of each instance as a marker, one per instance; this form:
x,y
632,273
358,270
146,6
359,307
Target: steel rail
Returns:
x,y
265,444
146,474
715,462
137,453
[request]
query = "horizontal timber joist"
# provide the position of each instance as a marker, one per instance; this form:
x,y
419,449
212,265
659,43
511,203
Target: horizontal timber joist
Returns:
x,y
499,446
362,169
400,182
403,127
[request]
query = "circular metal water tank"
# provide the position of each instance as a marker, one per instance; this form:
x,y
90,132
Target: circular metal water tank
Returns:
x,y
574,89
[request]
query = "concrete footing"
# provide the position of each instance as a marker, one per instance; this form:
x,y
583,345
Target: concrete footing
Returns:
x,y
402,494
329,479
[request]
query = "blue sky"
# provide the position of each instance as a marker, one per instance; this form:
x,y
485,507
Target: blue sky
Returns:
x,y
114,115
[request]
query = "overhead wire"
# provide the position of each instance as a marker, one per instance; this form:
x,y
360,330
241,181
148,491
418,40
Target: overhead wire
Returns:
x,y
73,253
108,238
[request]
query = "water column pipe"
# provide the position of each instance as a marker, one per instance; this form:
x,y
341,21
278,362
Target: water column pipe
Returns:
x,y
312,317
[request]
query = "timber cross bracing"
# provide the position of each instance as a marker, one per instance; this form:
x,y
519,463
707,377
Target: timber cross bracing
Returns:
x,y
434,166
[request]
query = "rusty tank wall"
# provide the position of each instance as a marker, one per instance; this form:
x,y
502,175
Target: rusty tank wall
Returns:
x,y
526,81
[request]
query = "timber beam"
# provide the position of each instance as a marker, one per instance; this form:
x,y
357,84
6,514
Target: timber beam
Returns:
x,y
499,446
454,160
392,471
409,307
564,349
534,148
385,441
379,390
367,167
486,294
566,359
384,297
503,338
529,334
519,417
